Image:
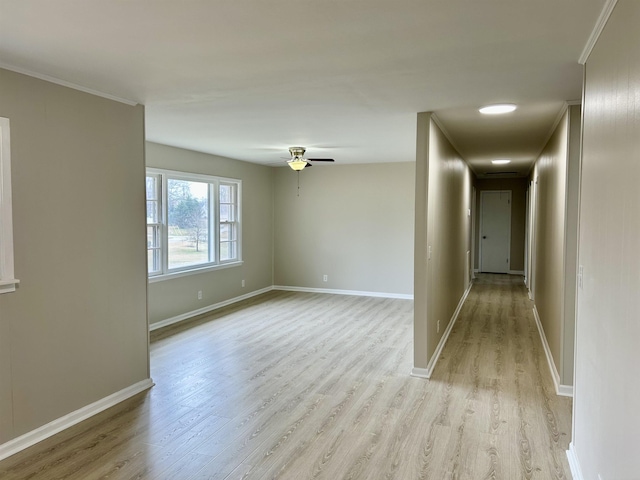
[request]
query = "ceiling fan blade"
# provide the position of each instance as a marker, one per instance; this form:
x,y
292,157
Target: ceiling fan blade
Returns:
x,y
308,165
320,159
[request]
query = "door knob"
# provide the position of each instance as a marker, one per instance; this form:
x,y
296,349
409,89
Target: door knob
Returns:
x,y
484,236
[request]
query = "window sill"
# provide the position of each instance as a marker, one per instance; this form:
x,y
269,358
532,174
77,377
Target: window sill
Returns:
x,y
194,271
8,286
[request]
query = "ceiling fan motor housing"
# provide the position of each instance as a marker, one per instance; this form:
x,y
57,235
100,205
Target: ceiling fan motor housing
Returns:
x,y
297,151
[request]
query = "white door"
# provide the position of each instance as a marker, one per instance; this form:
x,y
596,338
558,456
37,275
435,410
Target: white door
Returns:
x,y
495,231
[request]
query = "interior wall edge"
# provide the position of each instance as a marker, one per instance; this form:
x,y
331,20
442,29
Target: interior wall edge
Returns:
x,y
574,463
48,430
562,390
445,336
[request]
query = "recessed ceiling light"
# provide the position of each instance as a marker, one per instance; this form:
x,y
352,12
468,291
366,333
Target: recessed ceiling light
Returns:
x,y
501,161
497,109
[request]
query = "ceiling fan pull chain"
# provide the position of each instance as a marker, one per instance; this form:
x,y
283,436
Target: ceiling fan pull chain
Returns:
x,y
298,172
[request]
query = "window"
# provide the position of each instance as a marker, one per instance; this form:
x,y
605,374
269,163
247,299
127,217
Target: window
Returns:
x,y
7,282
193,222
154,251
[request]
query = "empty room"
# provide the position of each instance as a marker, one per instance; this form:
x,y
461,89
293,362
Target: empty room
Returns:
x,y
314,239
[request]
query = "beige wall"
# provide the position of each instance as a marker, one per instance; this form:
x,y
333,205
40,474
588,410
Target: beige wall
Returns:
x,y
175,297
606,420
550,175
353,223
518,187
554,241
441,280
75,331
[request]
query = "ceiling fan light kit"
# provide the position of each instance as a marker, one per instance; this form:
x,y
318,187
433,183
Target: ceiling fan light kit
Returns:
x,y
297,161
297,164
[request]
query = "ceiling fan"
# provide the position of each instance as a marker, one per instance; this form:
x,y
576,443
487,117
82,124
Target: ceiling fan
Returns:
x,y
297,161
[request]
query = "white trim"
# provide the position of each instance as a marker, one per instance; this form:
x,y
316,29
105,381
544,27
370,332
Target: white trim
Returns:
x,y
420,372
213,223
480,236
207,309
193,271
426,372
64,83
402,296
597,30
34,436
7,281
445,132
562,390
574,464
516,272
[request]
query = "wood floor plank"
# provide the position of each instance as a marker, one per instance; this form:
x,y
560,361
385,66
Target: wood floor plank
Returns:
x,y
291,385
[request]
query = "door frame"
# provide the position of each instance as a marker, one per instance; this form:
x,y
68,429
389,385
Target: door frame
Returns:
x,y
482,194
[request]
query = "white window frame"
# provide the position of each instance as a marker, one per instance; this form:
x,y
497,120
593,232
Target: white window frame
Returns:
x,y
214,182
157,224
7,281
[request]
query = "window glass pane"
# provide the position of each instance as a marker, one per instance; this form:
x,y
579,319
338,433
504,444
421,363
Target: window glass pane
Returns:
x,y
227,251
153,248
152,212
188,222
153,239
152,188
226,194
153,260
227,213
227,232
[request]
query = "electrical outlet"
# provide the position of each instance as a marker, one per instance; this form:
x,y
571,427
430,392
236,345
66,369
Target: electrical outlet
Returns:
x,y
325,278
438,331
199,294
429,253
243,283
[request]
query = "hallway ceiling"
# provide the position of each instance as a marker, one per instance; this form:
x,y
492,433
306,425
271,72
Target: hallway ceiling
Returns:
x,y
248,79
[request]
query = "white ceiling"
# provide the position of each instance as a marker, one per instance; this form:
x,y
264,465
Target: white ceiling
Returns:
x,y
248,78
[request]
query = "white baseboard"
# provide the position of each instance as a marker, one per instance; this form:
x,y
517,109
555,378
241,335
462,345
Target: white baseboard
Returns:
x,y
359,293
420,372
34,436
207,309
516,272
210,308
574,464
426,372
562,390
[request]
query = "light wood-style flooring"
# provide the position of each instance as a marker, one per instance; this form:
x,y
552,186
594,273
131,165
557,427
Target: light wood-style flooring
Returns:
x,y
314,386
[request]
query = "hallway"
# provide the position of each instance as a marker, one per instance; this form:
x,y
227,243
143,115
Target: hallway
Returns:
x,y
505,411
299,386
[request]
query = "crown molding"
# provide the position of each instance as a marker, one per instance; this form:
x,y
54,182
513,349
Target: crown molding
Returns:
x,y
64,83
597,30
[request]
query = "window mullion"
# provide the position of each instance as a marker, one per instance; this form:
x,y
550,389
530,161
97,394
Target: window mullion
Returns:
x,y
164,228
215,212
